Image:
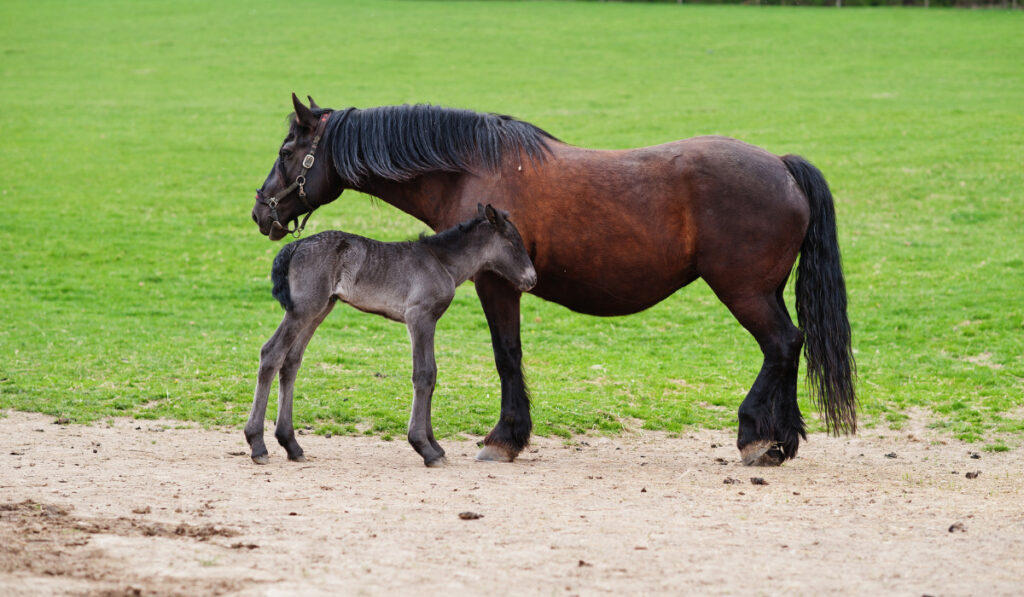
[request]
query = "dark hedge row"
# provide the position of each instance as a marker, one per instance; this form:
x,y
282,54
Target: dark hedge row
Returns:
x,y
1008,4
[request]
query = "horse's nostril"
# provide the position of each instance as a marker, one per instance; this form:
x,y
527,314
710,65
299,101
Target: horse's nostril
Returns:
x,y
254,217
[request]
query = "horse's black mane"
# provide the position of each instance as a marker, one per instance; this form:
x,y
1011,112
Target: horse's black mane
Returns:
x,y
402,142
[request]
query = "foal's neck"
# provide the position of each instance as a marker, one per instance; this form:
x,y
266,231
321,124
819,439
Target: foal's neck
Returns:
x,y
460,254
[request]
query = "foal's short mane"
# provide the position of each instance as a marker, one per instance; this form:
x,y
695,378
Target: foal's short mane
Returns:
x,y
449,237
402,142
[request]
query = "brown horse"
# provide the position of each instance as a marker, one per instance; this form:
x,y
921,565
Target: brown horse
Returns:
x,y
609,233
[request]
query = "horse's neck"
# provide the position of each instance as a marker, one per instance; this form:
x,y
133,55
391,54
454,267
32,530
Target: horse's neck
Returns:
x,y
428,198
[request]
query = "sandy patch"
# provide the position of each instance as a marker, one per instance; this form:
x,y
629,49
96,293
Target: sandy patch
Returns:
x,y
137,509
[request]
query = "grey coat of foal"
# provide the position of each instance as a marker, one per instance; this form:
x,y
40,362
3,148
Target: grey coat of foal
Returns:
x,y
410,282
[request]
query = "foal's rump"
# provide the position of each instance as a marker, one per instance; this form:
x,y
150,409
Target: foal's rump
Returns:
x,y
298,271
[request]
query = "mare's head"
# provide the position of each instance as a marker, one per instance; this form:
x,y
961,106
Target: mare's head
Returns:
x,y
302,177
503,251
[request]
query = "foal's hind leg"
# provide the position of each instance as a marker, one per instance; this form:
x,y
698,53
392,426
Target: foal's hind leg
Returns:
x,y
284,431
770,423
424,376
272,357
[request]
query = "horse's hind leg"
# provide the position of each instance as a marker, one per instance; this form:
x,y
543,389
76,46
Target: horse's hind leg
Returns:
x,y
284,430
272,357
770,423
424,376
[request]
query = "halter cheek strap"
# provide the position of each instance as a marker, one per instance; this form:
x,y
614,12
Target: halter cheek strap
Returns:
x,y
300,183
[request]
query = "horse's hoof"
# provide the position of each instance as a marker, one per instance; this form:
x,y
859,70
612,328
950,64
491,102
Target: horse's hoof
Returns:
x,y
437,462
299,458
762,453
495,454
261,459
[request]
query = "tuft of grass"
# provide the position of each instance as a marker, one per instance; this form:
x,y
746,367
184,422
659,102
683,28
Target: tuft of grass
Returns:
x,y
133,283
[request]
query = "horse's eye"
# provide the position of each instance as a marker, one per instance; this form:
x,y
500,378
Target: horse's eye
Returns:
x,y
285,154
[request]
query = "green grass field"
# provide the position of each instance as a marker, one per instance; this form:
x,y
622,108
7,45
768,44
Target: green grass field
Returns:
x,y
132,135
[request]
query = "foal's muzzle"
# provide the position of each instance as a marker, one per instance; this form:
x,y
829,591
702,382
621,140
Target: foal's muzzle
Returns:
x,y
528,281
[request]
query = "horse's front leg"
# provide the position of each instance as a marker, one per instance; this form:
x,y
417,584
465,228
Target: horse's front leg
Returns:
x,y
500,302
284,430
424,376
272,357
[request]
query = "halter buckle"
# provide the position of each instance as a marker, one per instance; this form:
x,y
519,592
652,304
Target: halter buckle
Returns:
x,y
307,162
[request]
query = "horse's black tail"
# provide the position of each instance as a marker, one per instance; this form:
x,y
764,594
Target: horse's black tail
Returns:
x,y
821,305
279,276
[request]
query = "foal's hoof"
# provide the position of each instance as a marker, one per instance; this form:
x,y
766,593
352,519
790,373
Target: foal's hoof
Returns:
x,y
263,459
495,454
437,462
762,453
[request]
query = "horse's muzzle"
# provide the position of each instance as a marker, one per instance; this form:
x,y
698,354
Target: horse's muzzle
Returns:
x,y
277,231
268,226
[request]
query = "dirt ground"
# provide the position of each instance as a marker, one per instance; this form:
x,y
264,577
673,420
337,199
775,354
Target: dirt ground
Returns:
x,y
137,508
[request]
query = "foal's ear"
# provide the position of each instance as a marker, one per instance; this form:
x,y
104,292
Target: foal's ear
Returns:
x,y
493,216
303,115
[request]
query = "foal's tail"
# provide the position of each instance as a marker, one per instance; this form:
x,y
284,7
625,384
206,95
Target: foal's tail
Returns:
x,y
821,305
279,276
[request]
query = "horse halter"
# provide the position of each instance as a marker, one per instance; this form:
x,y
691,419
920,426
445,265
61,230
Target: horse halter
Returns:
x,y
300,183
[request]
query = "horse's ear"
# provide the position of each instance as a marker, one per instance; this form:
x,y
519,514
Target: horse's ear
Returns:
x,y
493,216
312,103
303,114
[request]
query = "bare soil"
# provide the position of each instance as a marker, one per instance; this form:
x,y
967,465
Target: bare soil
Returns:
x,y
143,508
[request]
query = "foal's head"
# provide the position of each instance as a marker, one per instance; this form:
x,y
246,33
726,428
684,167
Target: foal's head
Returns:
x,y
503,252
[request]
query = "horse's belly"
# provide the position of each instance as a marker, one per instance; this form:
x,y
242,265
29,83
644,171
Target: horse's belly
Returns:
x,y
608,297
613,269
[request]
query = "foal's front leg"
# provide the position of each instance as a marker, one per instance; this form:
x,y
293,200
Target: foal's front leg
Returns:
x,y
424,375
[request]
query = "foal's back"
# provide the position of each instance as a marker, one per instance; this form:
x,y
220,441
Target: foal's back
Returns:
x,y
386,279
